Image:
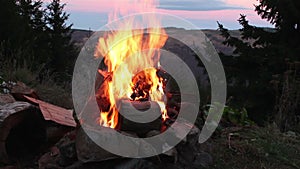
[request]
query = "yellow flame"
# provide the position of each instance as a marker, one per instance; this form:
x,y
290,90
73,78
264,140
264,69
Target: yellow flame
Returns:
x,y
126,52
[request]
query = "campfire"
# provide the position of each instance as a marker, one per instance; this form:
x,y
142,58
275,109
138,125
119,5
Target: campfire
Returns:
x,y
129,76
132,68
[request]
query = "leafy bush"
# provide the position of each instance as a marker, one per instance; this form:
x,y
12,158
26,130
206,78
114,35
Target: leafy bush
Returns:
x,y
231,116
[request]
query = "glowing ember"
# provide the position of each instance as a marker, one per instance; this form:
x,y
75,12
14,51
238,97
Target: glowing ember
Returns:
x,y
132,59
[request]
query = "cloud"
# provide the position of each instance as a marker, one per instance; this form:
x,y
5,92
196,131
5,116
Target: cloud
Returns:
x,y
196,5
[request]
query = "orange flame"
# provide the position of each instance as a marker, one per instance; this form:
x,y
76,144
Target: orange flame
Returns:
x,y
128,51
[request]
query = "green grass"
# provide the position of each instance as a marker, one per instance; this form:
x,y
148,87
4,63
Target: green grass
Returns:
x,y
48,89
254,148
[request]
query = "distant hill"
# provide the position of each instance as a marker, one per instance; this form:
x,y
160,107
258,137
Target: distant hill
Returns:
x,y
176,47
217,40
81,36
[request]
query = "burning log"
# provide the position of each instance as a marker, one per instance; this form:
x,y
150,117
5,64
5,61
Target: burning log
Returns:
x,y
142,85
102,96
142,107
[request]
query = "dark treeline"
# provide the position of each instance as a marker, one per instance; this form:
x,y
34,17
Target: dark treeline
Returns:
x,y
264,69
35,35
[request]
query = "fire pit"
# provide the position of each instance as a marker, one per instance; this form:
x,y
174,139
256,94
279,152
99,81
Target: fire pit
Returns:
x,y
132,93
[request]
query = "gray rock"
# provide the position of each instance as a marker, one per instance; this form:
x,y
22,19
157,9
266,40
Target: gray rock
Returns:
x,y
61,155
88,151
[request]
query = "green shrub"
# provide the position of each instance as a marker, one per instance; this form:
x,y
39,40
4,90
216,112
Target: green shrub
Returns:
x,y
231,116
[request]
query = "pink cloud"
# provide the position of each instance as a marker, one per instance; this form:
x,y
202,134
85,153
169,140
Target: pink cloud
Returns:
x,y
218,15
242,3
101,6
105,6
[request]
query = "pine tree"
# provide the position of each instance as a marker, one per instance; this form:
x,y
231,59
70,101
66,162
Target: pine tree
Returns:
x,y
15,34
8,19
22,33
36,37
62,49
33,16
261,53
